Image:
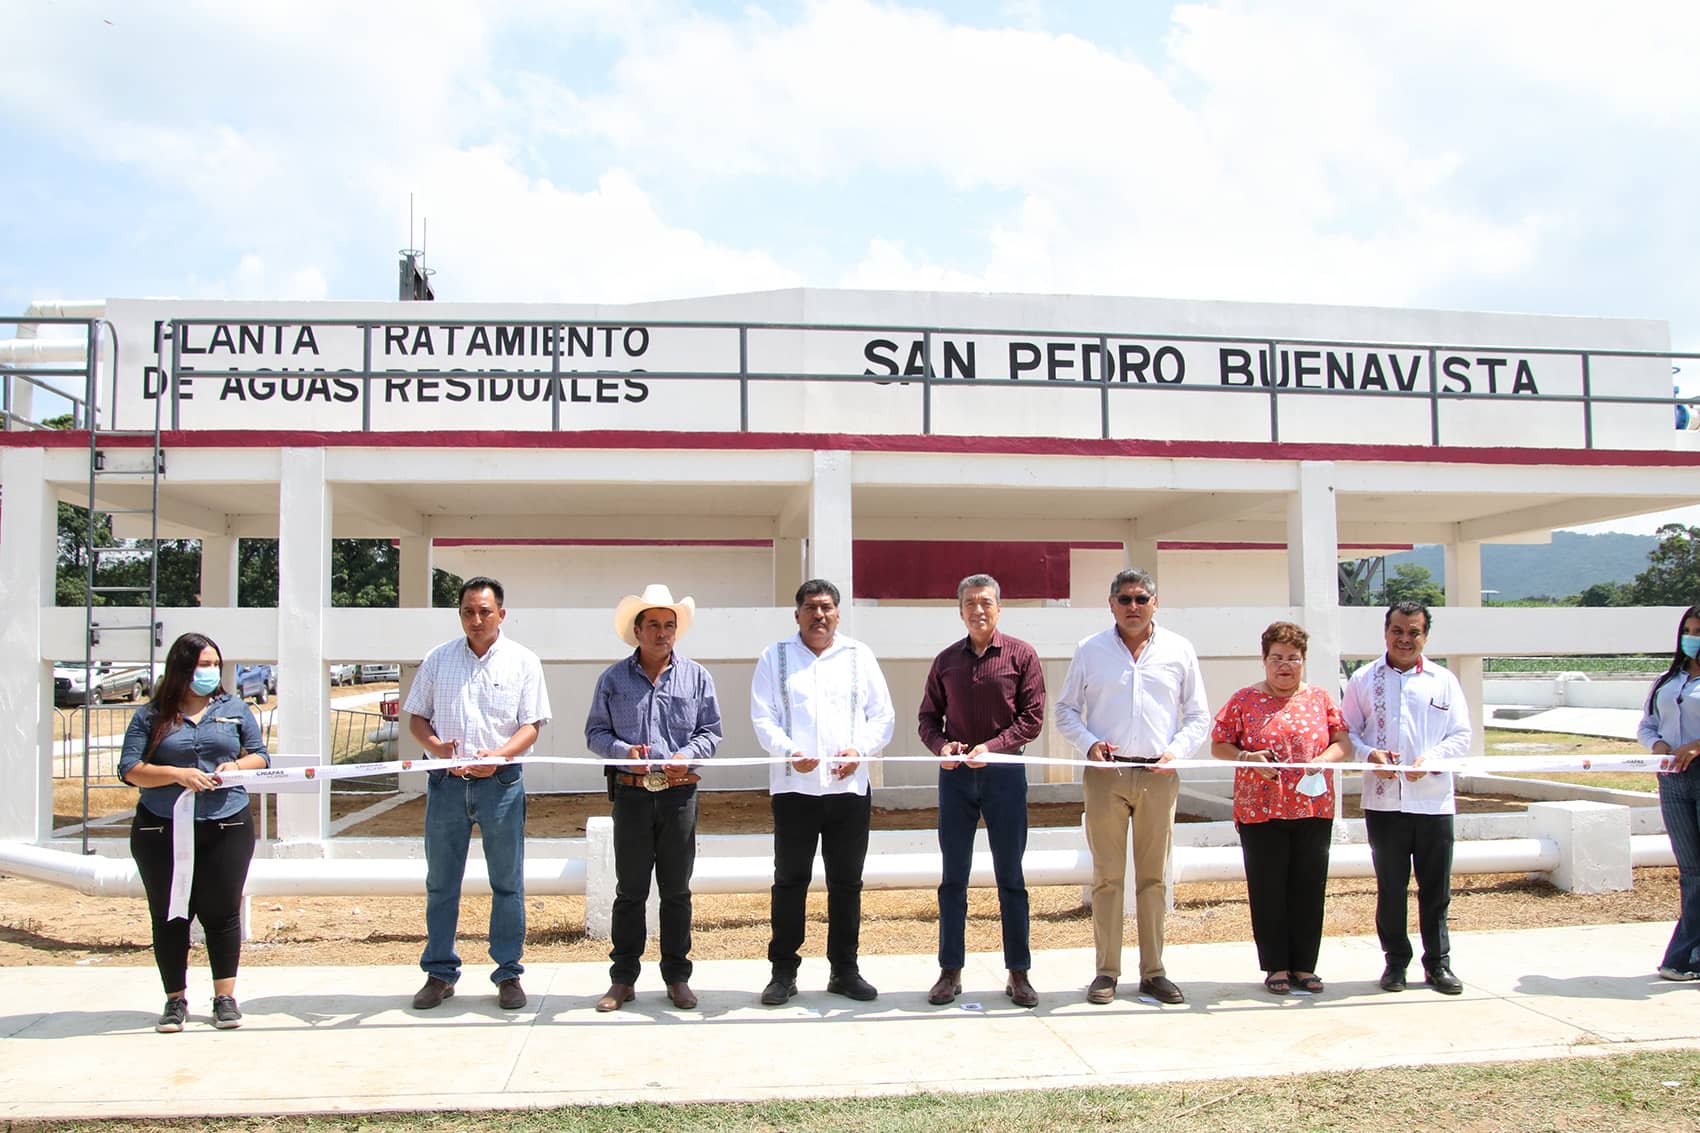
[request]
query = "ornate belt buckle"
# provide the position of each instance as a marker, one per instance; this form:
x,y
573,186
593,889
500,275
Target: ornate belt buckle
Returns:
x,y
655,780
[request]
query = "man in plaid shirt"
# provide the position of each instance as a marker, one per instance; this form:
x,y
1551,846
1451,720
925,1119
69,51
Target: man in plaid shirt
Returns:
x,y
478,695
657,711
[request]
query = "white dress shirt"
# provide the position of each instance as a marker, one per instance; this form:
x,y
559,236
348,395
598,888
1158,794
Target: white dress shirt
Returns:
x,y
480,701
1419,713
1145,707
820,705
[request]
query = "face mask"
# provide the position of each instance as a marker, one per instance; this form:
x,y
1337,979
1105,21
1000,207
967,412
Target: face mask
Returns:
x,y
1691,645
204,681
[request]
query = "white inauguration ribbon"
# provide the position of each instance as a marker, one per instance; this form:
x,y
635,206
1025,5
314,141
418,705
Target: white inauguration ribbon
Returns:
x,y
183,814
182,855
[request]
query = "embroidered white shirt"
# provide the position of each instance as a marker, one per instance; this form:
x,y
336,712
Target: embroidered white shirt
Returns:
x,y
1418,713
820,705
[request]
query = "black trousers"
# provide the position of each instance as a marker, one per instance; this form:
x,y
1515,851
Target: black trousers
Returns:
x,y
223,849
655,832
1286,876
839,825
1397,842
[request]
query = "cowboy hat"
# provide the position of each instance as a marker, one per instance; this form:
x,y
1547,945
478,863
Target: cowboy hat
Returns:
x,y
654,597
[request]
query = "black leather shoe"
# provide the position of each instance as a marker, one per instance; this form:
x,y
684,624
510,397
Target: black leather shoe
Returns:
x,y
432,994
1162,989
509,995
1441,979
947,987
778,990
851,985
1393,978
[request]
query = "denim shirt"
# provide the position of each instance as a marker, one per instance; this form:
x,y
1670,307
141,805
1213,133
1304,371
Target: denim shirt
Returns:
x,y
677,716
227,730
1674,718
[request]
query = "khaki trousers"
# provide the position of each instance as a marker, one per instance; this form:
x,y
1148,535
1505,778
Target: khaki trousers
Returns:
x,y
1112,799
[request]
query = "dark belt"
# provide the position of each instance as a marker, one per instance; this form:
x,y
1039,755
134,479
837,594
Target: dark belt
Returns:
x,y
656,780
1137,760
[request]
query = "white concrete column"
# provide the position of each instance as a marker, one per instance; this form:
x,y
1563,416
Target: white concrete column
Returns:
x,y
830,526
1313,586
1463,566
219,570
1141,553
414,592
414,587
29,525
787,570
303,602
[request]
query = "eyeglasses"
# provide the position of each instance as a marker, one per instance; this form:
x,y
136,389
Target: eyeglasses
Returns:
x,y
1133,599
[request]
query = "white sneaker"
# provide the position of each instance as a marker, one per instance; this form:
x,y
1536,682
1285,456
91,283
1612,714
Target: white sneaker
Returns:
x,y
1679,975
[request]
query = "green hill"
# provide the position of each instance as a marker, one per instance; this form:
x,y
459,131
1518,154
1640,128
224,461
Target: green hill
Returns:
x,y
1566,566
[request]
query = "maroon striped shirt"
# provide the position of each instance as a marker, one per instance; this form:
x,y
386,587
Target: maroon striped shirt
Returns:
x,y
997,698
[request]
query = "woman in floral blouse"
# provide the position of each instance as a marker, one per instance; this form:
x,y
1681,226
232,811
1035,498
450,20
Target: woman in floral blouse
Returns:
x,y
1285,816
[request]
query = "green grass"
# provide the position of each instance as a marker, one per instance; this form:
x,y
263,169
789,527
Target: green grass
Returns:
x,y
1622,663
1649,1092
1502,741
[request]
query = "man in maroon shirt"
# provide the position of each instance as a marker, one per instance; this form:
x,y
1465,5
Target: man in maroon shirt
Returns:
x,y
984,695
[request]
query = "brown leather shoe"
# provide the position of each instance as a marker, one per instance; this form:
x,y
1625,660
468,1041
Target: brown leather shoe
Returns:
x,y
682,996
1103,990
432,994
616,995
509,995
946,988
1162,989
1019,990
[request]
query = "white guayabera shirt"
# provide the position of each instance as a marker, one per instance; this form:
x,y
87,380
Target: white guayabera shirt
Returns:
x,y
819,706
1419,713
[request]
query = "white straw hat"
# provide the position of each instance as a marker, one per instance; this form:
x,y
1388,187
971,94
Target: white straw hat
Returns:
x,y
654,597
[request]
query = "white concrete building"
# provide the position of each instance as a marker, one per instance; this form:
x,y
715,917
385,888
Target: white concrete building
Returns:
x,y
732,446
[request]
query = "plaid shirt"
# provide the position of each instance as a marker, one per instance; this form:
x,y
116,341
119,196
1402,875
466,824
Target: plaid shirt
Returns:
x,y
480,701
677,715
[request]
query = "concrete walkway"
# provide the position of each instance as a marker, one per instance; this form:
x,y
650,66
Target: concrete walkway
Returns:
x,y
78,1041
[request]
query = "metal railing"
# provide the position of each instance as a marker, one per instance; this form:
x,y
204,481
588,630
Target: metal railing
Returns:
x,y
1273,368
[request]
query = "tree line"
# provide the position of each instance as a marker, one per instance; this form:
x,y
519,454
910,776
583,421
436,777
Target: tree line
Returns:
x,y
1671,578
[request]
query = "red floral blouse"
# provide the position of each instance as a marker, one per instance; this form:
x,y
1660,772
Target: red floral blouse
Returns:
x,y
1296,730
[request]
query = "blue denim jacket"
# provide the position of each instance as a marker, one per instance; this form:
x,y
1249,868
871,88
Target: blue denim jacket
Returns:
x,y
226,731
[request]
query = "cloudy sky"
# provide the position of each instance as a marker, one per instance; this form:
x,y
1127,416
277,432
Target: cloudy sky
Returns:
x,y
1513,155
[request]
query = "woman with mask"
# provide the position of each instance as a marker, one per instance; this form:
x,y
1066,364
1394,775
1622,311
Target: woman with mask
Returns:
x,y
188,734
1671,728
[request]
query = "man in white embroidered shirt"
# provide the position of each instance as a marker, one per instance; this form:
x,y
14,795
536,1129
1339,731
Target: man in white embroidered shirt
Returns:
x,y
477,695
1133,698
819,703
1401,710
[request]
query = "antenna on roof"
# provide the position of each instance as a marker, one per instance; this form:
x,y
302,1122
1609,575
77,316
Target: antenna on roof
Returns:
x,y
414,277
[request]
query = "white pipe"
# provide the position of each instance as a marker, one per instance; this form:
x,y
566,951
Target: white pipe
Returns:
x,y
23,351
318,877
1650,849
293,877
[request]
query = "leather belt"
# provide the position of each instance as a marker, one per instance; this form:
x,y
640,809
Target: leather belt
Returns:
x,y
656,780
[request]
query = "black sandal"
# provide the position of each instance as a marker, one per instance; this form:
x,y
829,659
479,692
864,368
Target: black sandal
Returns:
x,y
1311,983
1277,985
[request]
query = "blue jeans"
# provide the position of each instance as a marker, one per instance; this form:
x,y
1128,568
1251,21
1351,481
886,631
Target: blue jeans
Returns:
x,y
1679,801
452,806
1000,794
